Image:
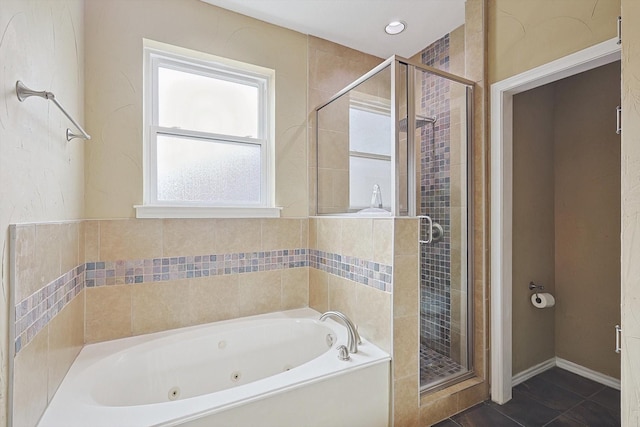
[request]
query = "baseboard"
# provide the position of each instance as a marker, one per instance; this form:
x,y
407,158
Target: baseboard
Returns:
x,y
603,379
588,373
521,377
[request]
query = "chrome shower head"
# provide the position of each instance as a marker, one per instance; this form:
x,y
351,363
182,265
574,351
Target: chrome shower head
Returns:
x,y
421,121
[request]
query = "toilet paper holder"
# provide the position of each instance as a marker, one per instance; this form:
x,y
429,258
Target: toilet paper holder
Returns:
x,y
536,288
533,286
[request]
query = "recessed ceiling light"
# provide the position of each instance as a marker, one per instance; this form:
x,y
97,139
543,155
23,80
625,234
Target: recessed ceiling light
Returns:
x,y
395,27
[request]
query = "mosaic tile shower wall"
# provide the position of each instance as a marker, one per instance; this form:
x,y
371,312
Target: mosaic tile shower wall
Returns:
x,y
435,193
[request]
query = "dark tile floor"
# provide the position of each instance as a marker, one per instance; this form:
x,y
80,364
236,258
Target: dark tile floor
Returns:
x,y
555,398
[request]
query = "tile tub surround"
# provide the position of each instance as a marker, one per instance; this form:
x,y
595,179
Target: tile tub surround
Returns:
x,y
105,273
36,311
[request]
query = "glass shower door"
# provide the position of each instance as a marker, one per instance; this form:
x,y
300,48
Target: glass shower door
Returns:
x,y
441,149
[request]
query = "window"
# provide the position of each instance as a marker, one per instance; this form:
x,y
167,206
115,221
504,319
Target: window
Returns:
x,y
369,150
208,144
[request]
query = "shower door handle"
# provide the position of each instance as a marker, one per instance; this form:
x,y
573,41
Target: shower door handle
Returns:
x,y
430,230
618,334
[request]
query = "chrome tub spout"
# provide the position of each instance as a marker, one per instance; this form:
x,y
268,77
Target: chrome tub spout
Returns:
x,y
354,337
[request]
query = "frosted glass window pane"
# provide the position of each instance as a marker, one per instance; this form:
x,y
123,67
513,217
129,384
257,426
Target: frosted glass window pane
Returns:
x,y
207,104
369,132
363,174
206,171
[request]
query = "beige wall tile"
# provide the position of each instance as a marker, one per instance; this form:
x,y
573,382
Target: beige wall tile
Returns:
x,y
281,233
405,236
373,315
295,288
182,237
30,381
82,235
342,296
159,306
318,290
406,347
472,395
313,233
480,323
69,246
47,253
340,190
259,292
357,238
92,241
458,310
458,185
291,161
130,239
325,190
383,241
405,402
406,287
333,150
437,410
239,235
304,233
66,338
213,298
329,234
26,262
334,117
108,313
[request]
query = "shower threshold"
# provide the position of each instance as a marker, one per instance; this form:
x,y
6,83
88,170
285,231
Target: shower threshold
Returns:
x,y
437,369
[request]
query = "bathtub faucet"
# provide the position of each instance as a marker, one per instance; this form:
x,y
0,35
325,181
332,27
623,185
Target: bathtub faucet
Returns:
x,y
354,336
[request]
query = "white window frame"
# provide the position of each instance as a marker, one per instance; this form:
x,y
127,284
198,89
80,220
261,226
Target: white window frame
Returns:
x,y
158,55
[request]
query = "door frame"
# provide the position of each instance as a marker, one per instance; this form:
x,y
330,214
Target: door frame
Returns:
x,y
501,176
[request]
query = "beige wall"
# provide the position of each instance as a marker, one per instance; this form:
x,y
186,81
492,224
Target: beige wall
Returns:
x,y
524,34
630,268
41,173
114,175
533,224
587,195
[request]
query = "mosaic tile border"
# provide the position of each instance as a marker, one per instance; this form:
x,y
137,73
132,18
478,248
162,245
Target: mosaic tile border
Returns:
x,y
36,311
107,273
376,275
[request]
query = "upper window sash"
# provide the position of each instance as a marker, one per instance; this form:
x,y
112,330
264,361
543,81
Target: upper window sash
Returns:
x,y
212,70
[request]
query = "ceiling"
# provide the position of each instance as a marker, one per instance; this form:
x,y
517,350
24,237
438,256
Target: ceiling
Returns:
x,y
359,24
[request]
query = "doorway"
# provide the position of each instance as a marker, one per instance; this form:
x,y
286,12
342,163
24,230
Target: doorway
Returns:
x,y
503,288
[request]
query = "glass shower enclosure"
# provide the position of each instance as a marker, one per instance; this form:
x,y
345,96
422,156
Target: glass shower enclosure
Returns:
x,y
397,142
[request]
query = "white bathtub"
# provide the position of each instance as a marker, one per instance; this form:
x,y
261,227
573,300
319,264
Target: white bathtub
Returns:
x,y
270,370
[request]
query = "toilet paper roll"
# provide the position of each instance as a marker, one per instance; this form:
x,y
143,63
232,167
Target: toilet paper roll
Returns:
x,y
543,300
